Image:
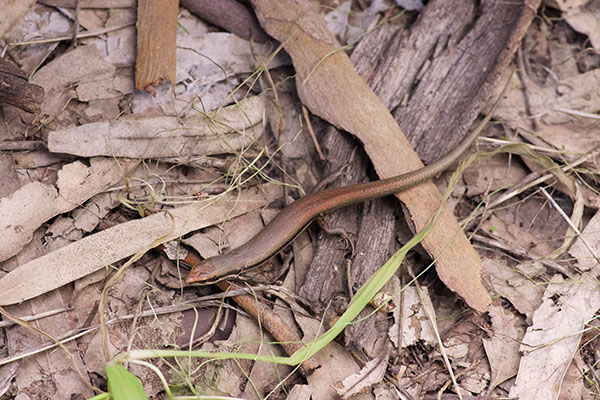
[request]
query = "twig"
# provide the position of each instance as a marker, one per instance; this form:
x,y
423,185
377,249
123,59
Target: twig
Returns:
x,y
76,24
29,318
560,211
520,253
312,134
531,181
428,308
287,337
18,145
524,81
80,35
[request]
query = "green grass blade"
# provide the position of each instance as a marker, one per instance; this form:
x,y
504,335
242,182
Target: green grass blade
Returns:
x,y
123,385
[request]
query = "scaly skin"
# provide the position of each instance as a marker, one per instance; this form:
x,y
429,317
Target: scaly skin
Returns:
x,y
293,219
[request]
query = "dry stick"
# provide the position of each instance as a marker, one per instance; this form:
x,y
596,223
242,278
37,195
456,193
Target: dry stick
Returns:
x,y
18,145
569,221
30,318
451,396
428,308
543,150
57,342
16,90
523,78
76,22
401,314
560,211
38,350
269,78
80,35
287,337
67,337
494,243
312,134
156,43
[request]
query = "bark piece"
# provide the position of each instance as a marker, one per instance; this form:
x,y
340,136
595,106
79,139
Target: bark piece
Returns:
x,y
449,50
330,87
326,274
156,33
229,15
17,91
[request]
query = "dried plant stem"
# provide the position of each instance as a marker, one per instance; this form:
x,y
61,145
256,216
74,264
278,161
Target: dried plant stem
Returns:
x,y
285,335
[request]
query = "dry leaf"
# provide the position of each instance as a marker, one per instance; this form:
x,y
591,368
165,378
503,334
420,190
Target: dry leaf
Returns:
x,y
522,291
336,363
502,348
491,175
12,13
32,375
371,374
120,45
39,22
208,58
263,375
37,159
330,87
10,182
583,16
229,376
513,235
29,207
209,65
60,77
300,392
553,339
100,250
551,105
111,85
575,386
416,326
223,131
586,248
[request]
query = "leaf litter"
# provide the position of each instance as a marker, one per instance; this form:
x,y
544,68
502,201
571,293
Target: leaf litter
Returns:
x,y
539,327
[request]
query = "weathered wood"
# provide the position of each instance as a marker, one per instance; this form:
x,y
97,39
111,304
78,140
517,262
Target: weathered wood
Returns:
x,y
17,91
229,15
156,34
438,75
391,60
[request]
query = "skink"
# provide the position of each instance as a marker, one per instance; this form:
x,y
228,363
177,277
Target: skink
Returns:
x,y
293,219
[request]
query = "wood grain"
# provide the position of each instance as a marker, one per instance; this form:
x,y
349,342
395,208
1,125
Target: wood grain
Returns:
x,y
156,34
329,86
